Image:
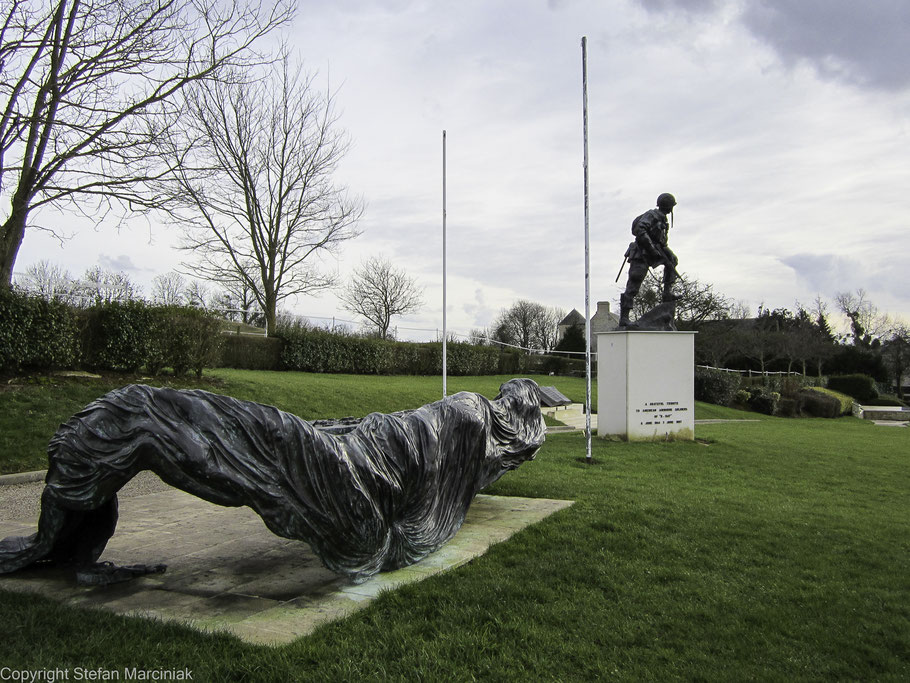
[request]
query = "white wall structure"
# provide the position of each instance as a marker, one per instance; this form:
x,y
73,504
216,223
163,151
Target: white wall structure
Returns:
x,y
646,385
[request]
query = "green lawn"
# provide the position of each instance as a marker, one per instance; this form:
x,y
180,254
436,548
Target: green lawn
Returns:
x,y
770,550
31,411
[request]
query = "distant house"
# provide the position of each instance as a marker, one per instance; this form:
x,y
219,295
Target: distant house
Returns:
x,y
574,318
603,320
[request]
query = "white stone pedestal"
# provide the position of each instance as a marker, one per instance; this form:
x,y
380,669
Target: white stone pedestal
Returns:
x,y
646,385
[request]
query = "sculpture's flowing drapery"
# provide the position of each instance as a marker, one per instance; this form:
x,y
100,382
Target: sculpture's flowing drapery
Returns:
x,y
381,496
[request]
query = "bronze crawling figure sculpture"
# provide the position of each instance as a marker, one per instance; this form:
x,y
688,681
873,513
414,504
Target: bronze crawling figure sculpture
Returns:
x,y
378,495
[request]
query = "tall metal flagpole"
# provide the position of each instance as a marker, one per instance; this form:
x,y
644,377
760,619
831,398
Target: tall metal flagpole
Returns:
x,y
584,91
444,332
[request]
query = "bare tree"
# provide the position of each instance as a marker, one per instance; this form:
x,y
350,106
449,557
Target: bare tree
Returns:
x,y
49,281
168,289
101,285
243,298
261,206
378,291
697,301
528,324
198,294
87,92
867,324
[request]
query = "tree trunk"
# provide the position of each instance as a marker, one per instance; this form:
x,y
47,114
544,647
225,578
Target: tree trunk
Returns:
x,y
11,235
270,319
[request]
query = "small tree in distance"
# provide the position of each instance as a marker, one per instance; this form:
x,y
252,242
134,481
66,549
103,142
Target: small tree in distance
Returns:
x,y
378,291
529,325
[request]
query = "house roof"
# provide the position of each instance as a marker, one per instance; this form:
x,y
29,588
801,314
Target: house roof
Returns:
x,y
573,318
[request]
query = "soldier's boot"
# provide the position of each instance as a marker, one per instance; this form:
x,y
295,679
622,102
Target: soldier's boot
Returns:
x,y
625,307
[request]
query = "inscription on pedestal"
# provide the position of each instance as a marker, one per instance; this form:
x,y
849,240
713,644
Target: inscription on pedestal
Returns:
x,y
661,413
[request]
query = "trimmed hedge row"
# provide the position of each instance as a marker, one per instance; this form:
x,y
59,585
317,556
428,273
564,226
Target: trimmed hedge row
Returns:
x,y
128,336
35,333
314,350
133,335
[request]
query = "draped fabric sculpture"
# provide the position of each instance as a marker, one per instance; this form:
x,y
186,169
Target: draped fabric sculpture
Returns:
x,y
383,495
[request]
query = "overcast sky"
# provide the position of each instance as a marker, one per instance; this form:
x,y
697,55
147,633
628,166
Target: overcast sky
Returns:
x,y
780,126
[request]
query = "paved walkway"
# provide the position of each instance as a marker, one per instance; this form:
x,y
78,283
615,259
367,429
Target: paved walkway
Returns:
x,y
228,572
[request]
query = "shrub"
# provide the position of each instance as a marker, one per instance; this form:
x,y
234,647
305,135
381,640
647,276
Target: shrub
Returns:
x,y
190,338
315,350
716,386
788,407
860,387
819,404
128,336
742,397
36,333
118,335
764,402
250,352
822,402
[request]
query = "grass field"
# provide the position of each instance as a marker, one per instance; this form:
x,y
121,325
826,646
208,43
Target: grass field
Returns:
x,y
31,409
770,550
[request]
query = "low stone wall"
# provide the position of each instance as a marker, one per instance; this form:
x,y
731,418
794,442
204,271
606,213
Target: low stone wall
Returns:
x,y
891,413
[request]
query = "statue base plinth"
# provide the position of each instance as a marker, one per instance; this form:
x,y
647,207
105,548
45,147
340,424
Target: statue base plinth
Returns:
x,y
646,385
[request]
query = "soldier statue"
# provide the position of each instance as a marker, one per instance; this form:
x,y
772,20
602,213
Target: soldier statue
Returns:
x,y
647,251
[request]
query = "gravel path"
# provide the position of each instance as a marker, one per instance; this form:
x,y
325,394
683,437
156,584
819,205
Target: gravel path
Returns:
x,y
23,501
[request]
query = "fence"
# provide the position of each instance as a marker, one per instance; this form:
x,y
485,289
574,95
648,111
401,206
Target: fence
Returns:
x,y
752,373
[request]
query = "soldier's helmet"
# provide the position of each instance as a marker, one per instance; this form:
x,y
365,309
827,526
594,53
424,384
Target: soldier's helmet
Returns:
x,y
666,201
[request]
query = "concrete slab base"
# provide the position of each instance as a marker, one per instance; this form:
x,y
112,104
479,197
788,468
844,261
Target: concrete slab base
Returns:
x,y
228,572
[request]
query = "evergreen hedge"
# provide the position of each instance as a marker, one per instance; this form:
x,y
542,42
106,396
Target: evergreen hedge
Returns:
x,y
860,387
121,336
36,333
251,352
315,350
716,386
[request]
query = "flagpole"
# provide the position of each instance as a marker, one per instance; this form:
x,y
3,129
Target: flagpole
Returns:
x,y
444,331
584,90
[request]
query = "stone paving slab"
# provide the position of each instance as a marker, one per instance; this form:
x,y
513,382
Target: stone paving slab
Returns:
x,y
228,572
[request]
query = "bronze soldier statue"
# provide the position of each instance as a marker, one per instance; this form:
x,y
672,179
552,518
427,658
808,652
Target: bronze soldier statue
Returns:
x,y
647,251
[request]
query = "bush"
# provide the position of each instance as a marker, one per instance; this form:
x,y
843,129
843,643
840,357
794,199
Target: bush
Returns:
x,y
36,333
128,336
742,397
789,407
819,404
189,337
250,352
315,350
118,335
860,387
822,402
764,401
716,386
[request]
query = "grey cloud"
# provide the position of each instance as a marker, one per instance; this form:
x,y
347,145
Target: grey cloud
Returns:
x,y
861,43
828,273
118,263
691,6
